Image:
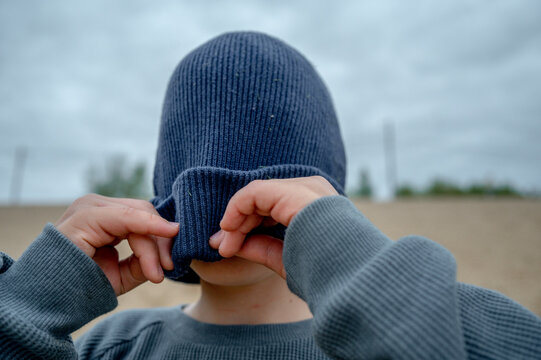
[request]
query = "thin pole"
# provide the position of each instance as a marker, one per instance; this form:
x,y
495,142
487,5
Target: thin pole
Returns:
x,y
389,143
19,160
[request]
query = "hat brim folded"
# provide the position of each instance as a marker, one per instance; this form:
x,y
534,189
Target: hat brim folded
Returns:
x,y
198,199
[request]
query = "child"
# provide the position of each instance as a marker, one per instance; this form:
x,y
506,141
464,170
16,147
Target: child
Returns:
x,y
250,170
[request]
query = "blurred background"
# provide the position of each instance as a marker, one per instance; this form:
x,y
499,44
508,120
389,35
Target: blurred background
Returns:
x,y
438,102
424,91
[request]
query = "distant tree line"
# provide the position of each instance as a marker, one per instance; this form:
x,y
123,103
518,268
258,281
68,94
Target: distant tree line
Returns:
x,y
440,187
118,178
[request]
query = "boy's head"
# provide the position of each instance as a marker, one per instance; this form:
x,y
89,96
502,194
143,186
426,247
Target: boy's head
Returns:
x,y
240,107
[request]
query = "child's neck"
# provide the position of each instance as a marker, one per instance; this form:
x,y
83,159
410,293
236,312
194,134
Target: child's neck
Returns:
x,y
268,301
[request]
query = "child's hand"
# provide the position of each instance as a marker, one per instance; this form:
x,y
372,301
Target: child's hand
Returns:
x,y
268,201
97,223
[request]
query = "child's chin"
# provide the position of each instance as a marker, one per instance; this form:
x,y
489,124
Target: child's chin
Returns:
x,y
233,271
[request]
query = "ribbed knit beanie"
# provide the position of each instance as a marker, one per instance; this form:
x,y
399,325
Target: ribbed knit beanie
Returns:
x,y
242,106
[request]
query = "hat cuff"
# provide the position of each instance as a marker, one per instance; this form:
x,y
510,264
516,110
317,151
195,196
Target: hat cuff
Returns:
x,y
198,201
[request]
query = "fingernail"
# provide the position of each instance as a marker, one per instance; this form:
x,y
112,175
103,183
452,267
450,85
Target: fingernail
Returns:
x,y
174,224
217,238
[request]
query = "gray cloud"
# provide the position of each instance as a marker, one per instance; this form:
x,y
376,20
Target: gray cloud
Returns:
x,y
461,81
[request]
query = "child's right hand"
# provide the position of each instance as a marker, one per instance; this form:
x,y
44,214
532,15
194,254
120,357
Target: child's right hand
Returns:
x,y
96,223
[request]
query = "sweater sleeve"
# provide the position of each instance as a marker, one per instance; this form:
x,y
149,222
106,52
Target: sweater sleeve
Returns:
x,y
372,297
51,291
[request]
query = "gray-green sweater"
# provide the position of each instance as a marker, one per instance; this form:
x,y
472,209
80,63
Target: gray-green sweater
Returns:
x,y
371,298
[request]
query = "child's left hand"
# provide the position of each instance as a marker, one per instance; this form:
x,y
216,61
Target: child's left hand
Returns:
x,y
268,201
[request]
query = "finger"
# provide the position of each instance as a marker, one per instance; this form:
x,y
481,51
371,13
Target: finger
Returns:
x,y
164,249
130,274
164,244
83,201
89,200
263,197
102,201
241,204
146,250
134,203
233,241
107,259
107,223
265,250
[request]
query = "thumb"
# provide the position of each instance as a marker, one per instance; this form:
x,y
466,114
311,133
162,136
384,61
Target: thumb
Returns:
x,y
124,275
265,250
107,259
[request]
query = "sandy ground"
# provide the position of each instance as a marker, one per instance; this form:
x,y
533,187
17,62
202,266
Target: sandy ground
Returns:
x,y
496,243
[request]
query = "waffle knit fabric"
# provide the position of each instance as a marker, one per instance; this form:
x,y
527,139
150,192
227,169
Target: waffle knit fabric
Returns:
x,y
380,299
242,106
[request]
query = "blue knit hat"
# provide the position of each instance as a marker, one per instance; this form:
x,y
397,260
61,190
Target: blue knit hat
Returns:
x,y
242,106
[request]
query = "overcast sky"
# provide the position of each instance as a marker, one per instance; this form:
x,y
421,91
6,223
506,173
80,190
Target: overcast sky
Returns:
x,y
461,81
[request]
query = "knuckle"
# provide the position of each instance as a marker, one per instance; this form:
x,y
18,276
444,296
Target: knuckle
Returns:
x,y
152,220
319,179
153,217
80,200
85,200
322,185
253,185
147,205
128,211
144,205
82,212
91,196
141,202
256,182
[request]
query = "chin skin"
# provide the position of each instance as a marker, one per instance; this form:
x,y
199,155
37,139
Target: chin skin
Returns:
x,y
233,271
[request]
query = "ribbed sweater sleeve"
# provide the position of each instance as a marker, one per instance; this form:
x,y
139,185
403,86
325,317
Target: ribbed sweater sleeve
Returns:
x,y
51,291
374,298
